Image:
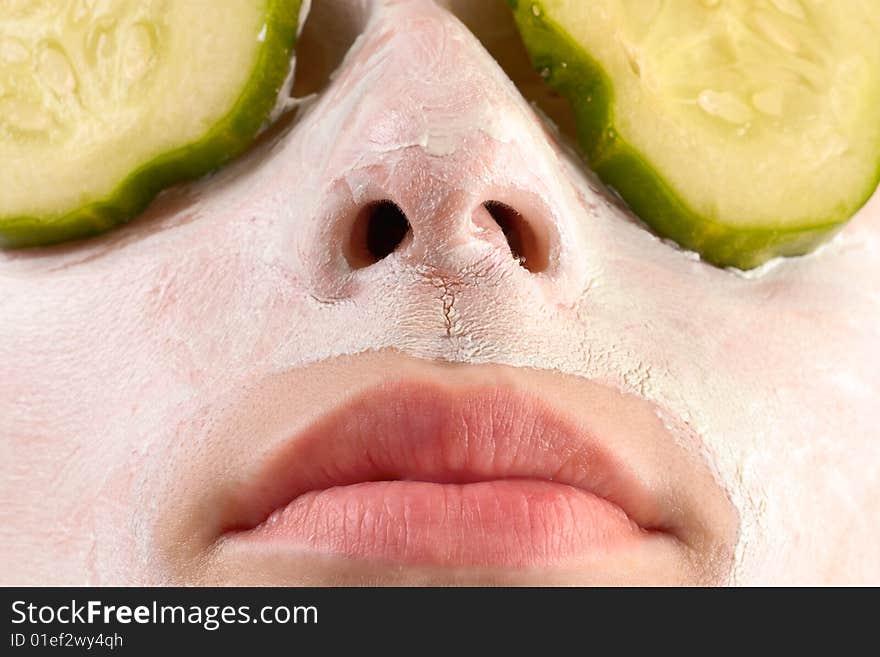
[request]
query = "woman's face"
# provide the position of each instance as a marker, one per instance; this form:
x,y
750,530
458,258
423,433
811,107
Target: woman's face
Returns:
x,y
201,395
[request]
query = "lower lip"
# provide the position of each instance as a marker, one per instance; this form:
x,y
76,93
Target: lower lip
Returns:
x,y
505,522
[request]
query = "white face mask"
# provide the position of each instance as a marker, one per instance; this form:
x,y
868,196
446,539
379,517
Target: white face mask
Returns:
x,y
260,269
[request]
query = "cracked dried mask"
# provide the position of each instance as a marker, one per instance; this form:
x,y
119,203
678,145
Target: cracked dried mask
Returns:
x,y
380,227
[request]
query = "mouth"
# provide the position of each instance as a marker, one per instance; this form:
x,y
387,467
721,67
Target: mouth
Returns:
x,y
413,471
417,473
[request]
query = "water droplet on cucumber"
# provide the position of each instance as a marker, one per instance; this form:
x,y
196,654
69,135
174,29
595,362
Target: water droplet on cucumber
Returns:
x,y
724,105
769,101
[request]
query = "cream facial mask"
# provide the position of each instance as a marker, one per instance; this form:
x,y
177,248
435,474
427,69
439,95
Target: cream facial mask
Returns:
x,y
777,373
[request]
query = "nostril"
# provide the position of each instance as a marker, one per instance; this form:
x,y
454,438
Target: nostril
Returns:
x,y
378,230
527,246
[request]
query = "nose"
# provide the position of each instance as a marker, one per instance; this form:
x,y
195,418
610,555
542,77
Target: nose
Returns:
x,y
435,162
382,228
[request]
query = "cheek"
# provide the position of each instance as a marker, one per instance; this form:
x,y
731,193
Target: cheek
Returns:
x,y
96,361
778,375
802,360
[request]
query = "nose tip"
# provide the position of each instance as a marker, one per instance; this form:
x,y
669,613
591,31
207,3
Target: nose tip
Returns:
x,y
381,228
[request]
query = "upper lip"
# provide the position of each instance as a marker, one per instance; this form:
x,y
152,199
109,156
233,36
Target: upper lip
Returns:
x,y
425,430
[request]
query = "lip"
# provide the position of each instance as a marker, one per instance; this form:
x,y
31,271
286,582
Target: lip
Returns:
x,y
420,469
417,473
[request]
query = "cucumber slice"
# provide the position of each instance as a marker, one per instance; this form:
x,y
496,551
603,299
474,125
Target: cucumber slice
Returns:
x,y
742,129
103,103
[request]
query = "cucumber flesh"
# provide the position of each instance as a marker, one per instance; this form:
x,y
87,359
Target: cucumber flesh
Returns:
x,y
742,129
103,103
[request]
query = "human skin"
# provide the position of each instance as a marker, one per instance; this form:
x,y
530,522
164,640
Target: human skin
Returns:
x,y
120,355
